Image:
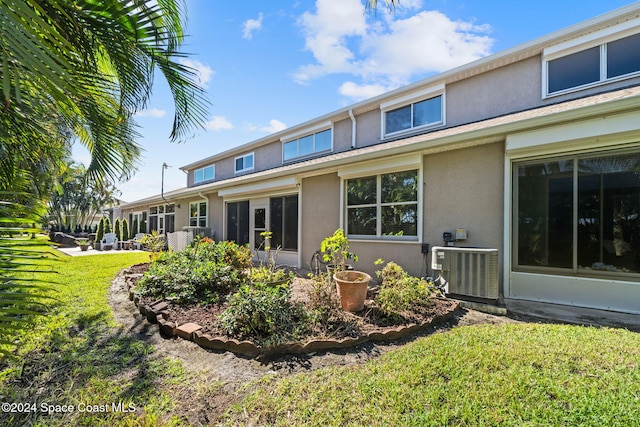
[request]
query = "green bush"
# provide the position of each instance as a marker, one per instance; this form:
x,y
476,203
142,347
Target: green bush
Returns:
x,y
204,273
401,293
265,314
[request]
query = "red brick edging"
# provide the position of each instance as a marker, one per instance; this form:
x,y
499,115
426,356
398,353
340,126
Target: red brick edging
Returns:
x,y
156,313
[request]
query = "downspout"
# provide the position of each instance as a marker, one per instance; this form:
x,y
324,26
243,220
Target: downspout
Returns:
x,y
353,128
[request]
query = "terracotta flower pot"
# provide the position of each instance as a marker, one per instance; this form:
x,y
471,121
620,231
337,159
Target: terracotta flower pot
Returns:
x,y
352,288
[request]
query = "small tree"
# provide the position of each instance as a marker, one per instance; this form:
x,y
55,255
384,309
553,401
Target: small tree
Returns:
x,y
107,225
125,229
100,232
134,229
117,228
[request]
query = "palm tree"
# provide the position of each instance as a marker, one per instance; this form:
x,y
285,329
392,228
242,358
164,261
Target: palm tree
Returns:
x,y
77,70
80,69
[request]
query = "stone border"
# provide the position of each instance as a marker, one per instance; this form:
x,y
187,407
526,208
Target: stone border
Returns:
x,y
156,313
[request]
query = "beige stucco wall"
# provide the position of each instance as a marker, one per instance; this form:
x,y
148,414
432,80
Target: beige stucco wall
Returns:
x,y
368,128
464,189
320,201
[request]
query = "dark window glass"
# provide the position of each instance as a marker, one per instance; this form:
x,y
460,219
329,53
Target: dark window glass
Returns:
x,y
608,210
238,222
623,56
239,164
400,187
361,191
153,223
574,70
362,221
275,219
169,223
545,214
427,111
400,220
398,120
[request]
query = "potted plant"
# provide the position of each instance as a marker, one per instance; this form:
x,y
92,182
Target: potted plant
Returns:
x,y
351,285
83,243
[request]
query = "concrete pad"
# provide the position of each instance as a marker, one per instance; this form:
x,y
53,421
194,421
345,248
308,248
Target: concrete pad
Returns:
x,y
576,315
77,252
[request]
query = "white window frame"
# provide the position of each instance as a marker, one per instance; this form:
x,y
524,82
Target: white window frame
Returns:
x,y
410,99
198,217
313,152
379,168
203,171
595,39
244,157
307,131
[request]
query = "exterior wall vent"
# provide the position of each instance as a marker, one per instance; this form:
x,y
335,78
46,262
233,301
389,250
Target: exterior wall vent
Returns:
x,y
469,272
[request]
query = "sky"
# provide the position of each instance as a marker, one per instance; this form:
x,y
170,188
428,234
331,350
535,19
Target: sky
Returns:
x,y
268,65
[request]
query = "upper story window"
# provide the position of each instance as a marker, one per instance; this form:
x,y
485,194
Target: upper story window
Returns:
x,y
206,173
417,110
244,163
307,145
603,57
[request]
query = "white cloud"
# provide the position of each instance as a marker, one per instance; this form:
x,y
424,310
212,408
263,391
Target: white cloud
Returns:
x,y
388,52
250,26
153,112
204,72
360,92
274,126
218,123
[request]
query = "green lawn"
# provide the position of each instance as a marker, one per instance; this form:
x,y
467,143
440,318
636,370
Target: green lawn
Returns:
x,y
511,375
76,355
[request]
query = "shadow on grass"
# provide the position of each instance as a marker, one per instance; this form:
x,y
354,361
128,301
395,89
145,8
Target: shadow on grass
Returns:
x,y
89,363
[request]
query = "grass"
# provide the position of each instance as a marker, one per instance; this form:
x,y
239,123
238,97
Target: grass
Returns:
x,y
511,375
77,355
486,375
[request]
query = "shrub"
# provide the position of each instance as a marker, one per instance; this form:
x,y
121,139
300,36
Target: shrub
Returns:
x,y
100,231
401,293
117,229
125,229
264,314
201,274
324,302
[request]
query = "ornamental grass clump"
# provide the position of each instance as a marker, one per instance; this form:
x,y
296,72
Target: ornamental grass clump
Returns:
x,y
204,273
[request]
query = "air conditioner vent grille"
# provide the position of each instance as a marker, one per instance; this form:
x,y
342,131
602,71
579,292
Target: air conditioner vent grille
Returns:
x,y
467,271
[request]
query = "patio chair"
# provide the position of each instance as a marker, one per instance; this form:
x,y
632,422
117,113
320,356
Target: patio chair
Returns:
x,y
109,241
137,240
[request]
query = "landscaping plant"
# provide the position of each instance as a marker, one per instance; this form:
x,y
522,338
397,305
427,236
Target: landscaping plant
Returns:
x,y
402,295
264,314
203,273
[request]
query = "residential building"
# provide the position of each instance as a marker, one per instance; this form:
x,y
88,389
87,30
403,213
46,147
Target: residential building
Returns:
x,y
533,151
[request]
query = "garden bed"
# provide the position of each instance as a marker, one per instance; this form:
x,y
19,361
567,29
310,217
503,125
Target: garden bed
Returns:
x,y
201,323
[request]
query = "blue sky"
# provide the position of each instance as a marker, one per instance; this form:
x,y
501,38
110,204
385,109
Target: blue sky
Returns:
x,y
267,65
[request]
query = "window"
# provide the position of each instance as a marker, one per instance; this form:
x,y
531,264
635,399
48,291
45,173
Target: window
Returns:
x,y
307,145
238,222
383,205
244,163
418,114
580,214
206,173
198,214
284,222
598,64
161,219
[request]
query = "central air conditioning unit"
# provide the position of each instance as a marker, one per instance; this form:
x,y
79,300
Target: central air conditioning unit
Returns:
x,y
469,272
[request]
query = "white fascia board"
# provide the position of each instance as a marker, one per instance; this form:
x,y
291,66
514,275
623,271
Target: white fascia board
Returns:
x,y
381,165
306,131
597,130
596,38
424,93
289,182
